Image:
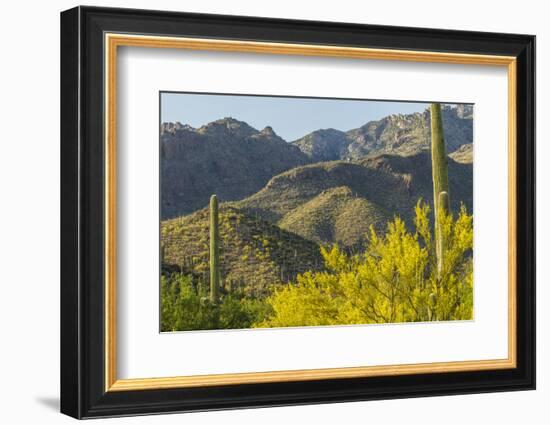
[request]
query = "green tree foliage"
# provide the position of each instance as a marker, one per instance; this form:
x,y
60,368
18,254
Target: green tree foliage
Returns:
x,y
184,307
394,280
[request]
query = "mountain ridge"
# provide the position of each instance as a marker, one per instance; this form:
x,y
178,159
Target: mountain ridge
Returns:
x,y
226,156
338,201
403,134
233,159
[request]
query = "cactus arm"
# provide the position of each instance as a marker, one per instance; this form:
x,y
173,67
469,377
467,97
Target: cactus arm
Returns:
x,y
444,202
214,251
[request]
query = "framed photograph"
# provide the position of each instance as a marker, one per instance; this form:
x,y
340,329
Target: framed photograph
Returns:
x,y
261,212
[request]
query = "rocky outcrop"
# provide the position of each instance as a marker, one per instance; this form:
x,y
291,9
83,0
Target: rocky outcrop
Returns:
x,y
226,157
401,134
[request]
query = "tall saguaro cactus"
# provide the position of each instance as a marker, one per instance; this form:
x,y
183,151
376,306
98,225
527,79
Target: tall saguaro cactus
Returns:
x,y
440,181
214,251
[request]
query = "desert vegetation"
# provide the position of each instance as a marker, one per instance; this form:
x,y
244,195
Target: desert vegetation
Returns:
x,y
374,239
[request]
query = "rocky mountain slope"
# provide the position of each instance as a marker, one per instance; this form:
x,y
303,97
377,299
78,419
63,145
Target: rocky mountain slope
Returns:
x,y
226,157
230,158
464,154
324,145
338,201
275,234
395,134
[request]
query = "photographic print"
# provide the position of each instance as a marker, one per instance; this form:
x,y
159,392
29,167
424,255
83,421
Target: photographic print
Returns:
x,y
288,211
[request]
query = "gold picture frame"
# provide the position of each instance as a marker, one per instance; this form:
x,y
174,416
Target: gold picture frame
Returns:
x,y
114,41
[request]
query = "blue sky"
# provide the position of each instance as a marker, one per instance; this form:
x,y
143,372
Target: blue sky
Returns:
x,y
291,118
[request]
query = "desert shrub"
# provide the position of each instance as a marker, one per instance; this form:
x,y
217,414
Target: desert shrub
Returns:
x,y
184,306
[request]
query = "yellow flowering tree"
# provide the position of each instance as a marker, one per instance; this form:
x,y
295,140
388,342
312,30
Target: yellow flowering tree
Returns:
x,y
396,279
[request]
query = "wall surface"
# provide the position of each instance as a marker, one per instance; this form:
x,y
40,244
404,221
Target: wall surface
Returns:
x,y
29,217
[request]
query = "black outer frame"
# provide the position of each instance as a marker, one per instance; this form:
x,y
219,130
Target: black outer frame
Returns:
x,y
82,212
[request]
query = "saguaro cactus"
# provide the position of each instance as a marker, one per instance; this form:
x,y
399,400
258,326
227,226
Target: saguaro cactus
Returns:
x,y
440,180
214,251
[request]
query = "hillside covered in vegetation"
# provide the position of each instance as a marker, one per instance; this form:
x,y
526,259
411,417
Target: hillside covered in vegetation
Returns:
x,y
254,254
338,201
